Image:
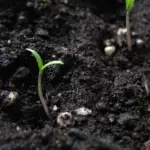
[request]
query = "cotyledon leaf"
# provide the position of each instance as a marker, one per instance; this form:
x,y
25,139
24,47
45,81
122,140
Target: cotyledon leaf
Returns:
x,y
37,57
55,62
129,4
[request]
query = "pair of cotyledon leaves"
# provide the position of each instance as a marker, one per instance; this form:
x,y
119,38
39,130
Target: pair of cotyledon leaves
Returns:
x,y
40,61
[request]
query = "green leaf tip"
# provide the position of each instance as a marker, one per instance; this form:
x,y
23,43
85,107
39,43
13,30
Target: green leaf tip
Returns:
x,y
37,57
129,4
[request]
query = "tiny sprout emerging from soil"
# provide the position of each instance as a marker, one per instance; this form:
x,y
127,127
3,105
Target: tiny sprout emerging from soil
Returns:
x,y
41,69
129,6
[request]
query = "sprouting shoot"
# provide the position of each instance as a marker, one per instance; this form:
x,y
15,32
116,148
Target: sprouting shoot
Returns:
x,y
42,67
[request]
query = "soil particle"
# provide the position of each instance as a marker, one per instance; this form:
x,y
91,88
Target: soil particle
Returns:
x,y
41,32
64,119
22,19
20,76
73,132
83,111
112,118
131,102
127,120
30,4
102,107
8,98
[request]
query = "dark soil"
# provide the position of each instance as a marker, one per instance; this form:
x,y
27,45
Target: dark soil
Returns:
x,y
115,88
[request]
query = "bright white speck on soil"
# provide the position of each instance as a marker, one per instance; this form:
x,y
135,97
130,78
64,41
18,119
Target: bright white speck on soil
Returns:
x,y
110,50
83,111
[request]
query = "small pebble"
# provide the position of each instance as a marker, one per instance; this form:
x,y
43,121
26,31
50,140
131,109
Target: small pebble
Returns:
x,y
134,34
18,128
12,97
9,98
41,32
29,4
64,119
9,42
120,35
55,108
22,19
139,42
59,94
121,31
109,50
83,111
53,56
112,118
102,107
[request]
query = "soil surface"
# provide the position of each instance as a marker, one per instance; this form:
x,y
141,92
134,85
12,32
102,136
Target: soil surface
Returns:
x,y
115,89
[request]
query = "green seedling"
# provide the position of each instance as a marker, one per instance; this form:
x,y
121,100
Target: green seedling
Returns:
x,y
129,6
42,67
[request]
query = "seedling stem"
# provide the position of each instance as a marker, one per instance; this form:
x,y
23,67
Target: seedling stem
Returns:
x,y
129,40
40,93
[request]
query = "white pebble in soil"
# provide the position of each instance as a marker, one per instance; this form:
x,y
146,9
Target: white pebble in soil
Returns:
x,y
12,95
9,98
9,42
53,56
134,34
55,108
121,31
109,50
139,42
18,128
120,35
64,119
83,111
59,94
